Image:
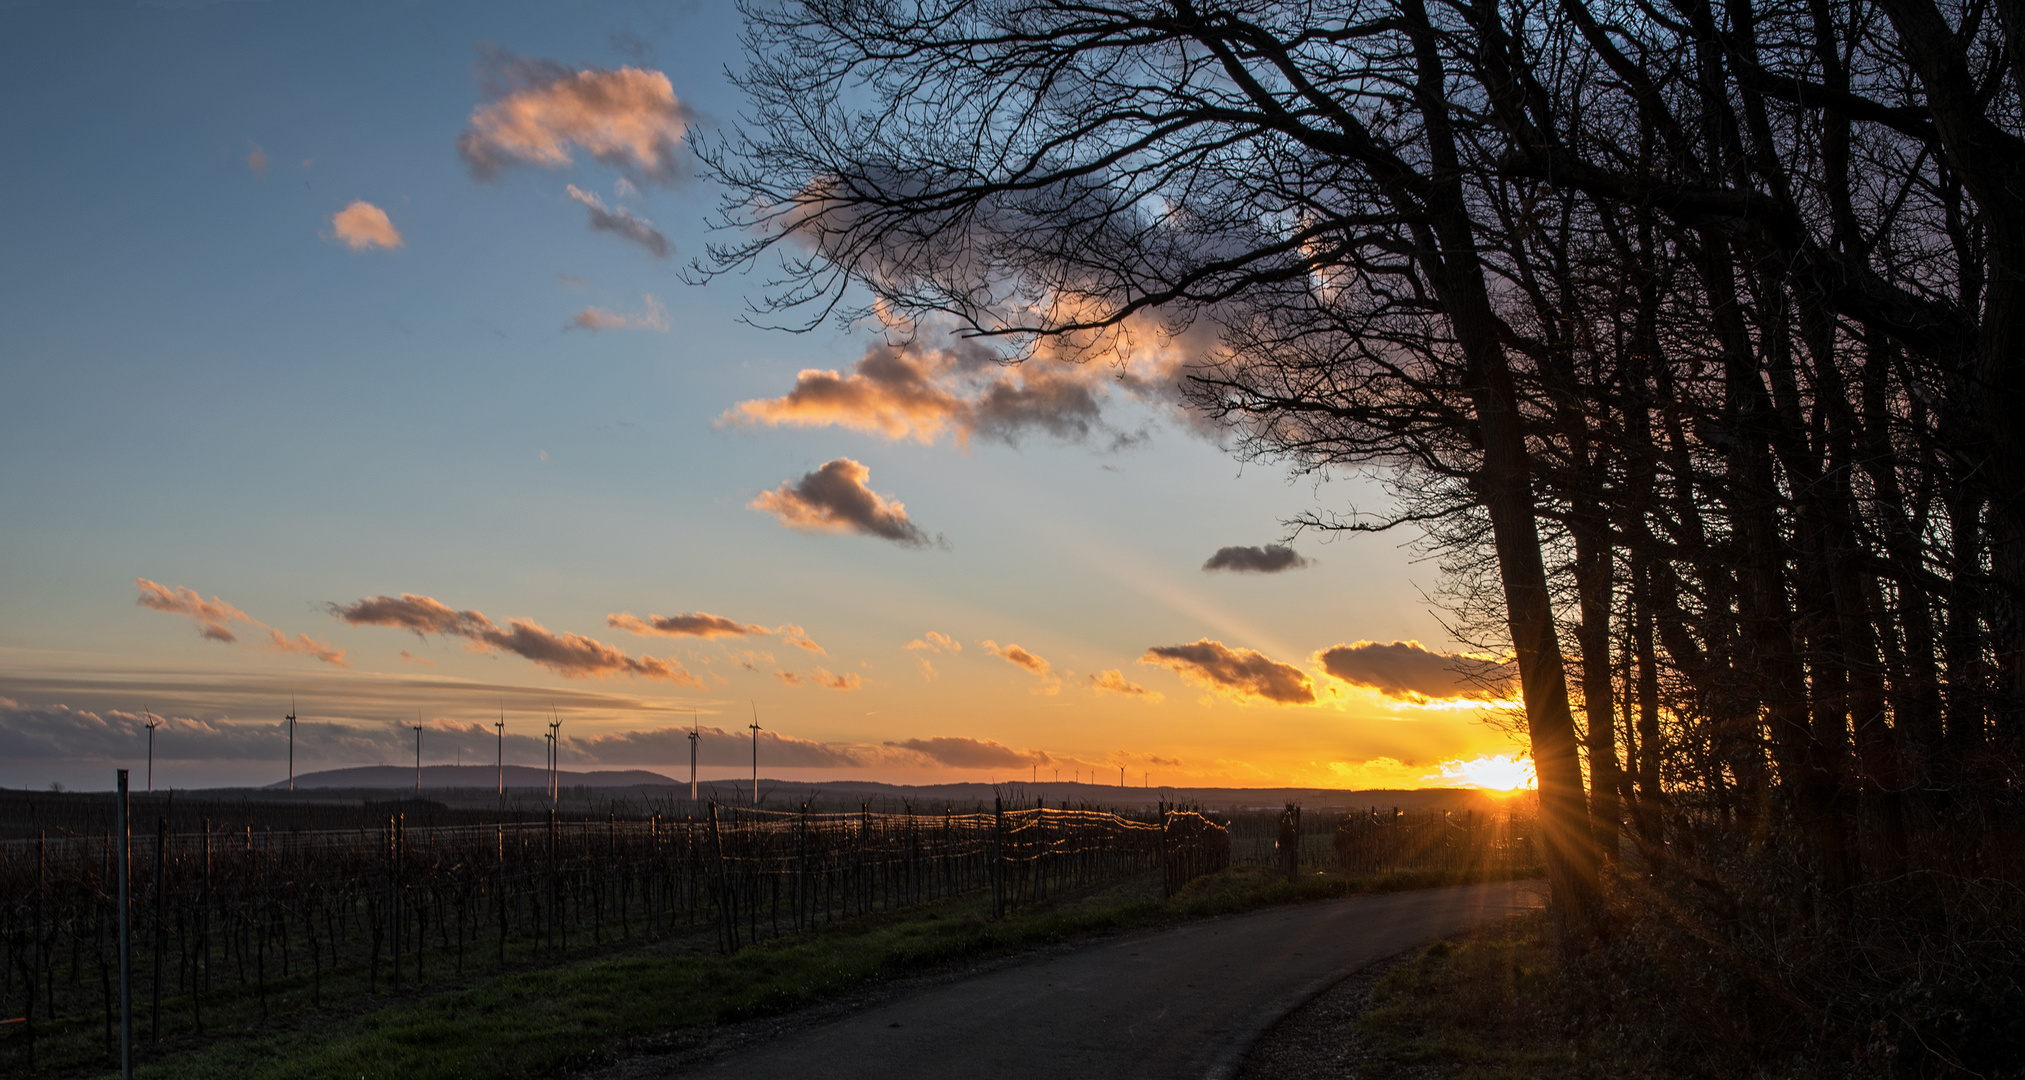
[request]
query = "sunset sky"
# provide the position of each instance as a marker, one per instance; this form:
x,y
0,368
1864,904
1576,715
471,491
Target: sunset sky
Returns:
x,y
346,354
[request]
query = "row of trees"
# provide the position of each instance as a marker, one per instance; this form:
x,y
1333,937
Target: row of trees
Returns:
x,y
1696,326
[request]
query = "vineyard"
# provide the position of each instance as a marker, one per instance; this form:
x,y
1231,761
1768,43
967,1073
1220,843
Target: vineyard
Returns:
x,y
233,920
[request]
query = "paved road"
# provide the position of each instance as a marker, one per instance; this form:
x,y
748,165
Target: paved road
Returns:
x,y
1182,1003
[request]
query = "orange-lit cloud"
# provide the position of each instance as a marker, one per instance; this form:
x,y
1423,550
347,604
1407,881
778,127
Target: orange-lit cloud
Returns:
x,y
964,753
1020,658
788,677
701,624
1270,559
836,499
846,681
539,110
413,659
214,618
1409,671
623,223
1115,682
653,316
705,625
1241,674
362,225
211,616
573,656
934,642
913,392
256,160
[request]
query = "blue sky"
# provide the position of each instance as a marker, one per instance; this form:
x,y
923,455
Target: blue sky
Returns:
x,y
203,387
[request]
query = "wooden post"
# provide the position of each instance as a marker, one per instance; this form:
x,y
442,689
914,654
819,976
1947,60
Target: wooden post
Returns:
x,y
124,842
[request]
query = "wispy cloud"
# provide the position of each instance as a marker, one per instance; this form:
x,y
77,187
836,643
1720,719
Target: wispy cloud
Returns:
x,y
652,316
1410,671
361,225
214,618
1270,559
1240,674
845,681
256,160
538,110
623,223
573,656
964,753
934,642
705,625
1115,682
1020,658
836,499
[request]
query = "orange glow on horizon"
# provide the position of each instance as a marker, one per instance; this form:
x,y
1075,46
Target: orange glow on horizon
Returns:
x,y
1503,773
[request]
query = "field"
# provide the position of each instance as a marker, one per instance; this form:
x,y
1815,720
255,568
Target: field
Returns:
x,y
242,930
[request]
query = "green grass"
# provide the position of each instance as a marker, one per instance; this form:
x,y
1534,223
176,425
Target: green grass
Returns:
x,y
592,1011
1494,1005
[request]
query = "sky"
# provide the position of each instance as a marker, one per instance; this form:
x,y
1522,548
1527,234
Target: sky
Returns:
x,y
349,365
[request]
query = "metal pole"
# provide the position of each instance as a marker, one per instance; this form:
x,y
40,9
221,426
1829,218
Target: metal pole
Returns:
x,y
126,939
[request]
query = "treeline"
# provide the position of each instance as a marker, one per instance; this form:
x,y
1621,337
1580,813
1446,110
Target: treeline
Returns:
x,y
1691,334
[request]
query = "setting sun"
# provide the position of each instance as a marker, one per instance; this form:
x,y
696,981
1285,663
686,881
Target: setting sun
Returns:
x,y
1492,772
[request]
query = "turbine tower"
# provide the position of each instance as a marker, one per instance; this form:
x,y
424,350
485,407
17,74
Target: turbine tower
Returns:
x,y
418,759
755,752
695,736
291,748
499,752
152,724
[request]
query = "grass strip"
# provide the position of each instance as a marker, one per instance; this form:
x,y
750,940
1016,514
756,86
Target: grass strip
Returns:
x,y
576,1016
1498,1004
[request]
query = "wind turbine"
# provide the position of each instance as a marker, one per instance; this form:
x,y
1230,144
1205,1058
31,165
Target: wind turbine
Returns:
x,y
554,753
291,749
755,752
499,752
418,758
152,724
695,736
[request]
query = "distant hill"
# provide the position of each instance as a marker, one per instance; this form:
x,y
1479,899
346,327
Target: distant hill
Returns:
x,y
398,778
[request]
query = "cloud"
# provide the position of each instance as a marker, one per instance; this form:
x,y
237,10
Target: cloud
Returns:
x,y
538,110
594,319
705,625
362,225
1116,683
413,659
788,677
962,753
570,281
256,159
836,499
1270,559
1018,657
928,672
702,624
715,747
1409,671
910,391
846,681
214,616
211,616
1241,674
573,656
935,643
623,223
62,732
791,634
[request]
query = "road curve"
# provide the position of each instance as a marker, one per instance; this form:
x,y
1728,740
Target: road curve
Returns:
x,y
1181,1003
